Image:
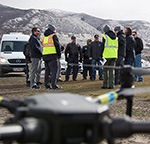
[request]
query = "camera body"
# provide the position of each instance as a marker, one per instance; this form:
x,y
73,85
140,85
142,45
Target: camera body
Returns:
x,y
70,117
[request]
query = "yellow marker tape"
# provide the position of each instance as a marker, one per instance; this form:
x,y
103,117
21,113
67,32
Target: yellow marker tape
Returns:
x,y
116,95
108,98
1,98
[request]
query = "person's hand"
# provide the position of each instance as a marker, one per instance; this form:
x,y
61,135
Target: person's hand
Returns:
x,y
101,59
66,59
59,57
62,48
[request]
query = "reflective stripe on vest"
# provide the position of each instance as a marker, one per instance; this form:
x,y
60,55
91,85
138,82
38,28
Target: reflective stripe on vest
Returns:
x,y
110,47
48,45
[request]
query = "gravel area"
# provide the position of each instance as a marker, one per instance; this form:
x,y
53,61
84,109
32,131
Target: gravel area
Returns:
x,y
141,108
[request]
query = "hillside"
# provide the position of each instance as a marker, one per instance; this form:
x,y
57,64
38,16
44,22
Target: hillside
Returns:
x,y
67,23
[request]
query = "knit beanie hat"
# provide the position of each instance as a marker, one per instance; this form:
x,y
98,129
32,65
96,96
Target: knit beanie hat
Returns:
x,y
51,27
117,28
106,29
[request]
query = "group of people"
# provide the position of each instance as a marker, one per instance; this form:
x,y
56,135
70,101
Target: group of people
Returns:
x,y
116,49
50,51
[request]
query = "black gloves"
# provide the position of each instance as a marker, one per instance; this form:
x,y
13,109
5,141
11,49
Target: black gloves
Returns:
x,y
66,59
62,48
80,60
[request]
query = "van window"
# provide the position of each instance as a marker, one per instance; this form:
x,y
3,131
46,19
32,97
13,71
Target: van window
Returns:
x,y
13,46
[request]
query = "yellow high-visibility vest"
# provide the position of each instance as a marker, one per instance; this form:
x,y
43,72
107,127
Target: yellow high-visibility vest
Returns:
x,y
48,45
110,47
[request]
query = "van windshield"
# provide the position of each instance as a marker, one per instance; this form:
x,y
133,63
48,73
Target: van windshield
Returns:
x,y
13,46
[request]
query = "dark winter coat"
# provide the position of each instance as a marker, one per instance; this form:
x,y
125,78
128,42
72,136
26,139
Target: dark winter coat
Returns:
x,y
57,46
95,50
138,46
35,47
121,44
27,53
73,50
85,52
130,47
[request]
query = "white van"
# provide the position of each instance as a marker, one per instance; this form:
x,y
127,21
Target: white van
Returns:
x,y
12,58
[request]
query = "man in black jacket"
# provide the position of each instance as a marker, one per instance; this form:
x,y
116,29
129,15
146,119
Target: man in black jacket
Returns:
x,y
36,55
71,55
95,53
138,51
86,60
51,54
130,47
121,51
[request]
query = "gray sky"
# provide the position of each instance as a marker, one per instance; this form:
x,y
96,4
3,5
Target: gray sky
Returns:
x,y
107,9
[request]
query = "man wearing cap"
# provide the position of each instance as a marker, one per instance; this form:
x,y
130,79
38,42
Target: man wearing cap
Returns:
x,y
110,53
86,61
72,53
95,53
51,53
121,51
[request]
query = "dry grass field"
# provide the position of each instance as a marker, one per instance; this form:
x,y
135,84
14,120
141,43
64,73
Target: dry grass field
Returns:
x,y
13,86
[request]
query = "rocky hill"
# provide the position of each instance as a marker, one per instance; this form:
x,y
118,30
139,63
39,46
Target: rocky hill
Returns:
x,y
67,23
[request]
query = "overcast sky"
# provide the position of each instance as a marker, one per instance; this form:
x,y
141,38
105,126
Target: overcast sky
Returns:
x,y
107,9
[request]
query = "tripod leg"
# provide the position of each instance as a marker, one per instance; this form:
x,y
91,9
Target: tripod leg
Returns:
x,y
129,106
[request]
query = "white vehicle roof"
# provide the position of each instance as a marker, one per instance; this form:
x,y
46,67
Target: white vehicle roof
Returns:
x,y
15,37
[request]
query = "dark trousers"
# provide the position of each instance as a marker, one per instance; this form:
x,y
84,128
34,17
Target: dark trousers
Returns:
x,y
27,73
110,62
51,72
75,68
129,61
87,69
119,62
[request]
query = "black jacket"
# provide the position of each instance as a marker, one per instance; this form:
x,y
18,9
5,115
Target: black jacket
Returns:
x,y
85,52
73,50
27,53
112,35
139,45
57,46
35,47
95,50
121,44
130,47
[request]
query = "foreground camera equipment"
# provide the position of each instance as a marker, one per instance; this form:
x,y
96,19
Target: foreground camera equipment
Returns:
x,y
64,118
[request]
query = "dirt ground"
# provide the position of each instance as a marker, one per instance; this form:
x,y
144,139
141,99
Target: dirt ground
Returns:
x,y
12,87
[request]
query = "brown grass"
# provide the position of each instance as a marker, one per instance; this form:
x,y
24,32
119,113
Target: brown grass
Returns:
x,y
15,87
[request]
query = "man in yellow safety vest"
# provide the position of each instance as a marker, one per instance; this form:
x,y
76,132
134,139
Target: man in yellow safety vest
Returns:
x,y
51,52
110,53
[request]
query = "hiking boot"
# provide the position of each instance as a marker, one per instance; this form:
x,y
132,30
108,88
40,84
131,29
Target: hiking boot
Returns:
x,y
48,87
57,88
103,87
39,83
35,87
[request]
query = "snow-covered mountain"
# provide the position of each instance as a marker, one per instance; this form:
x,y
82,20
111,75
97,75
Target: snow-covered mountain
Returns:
x,y
67,23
